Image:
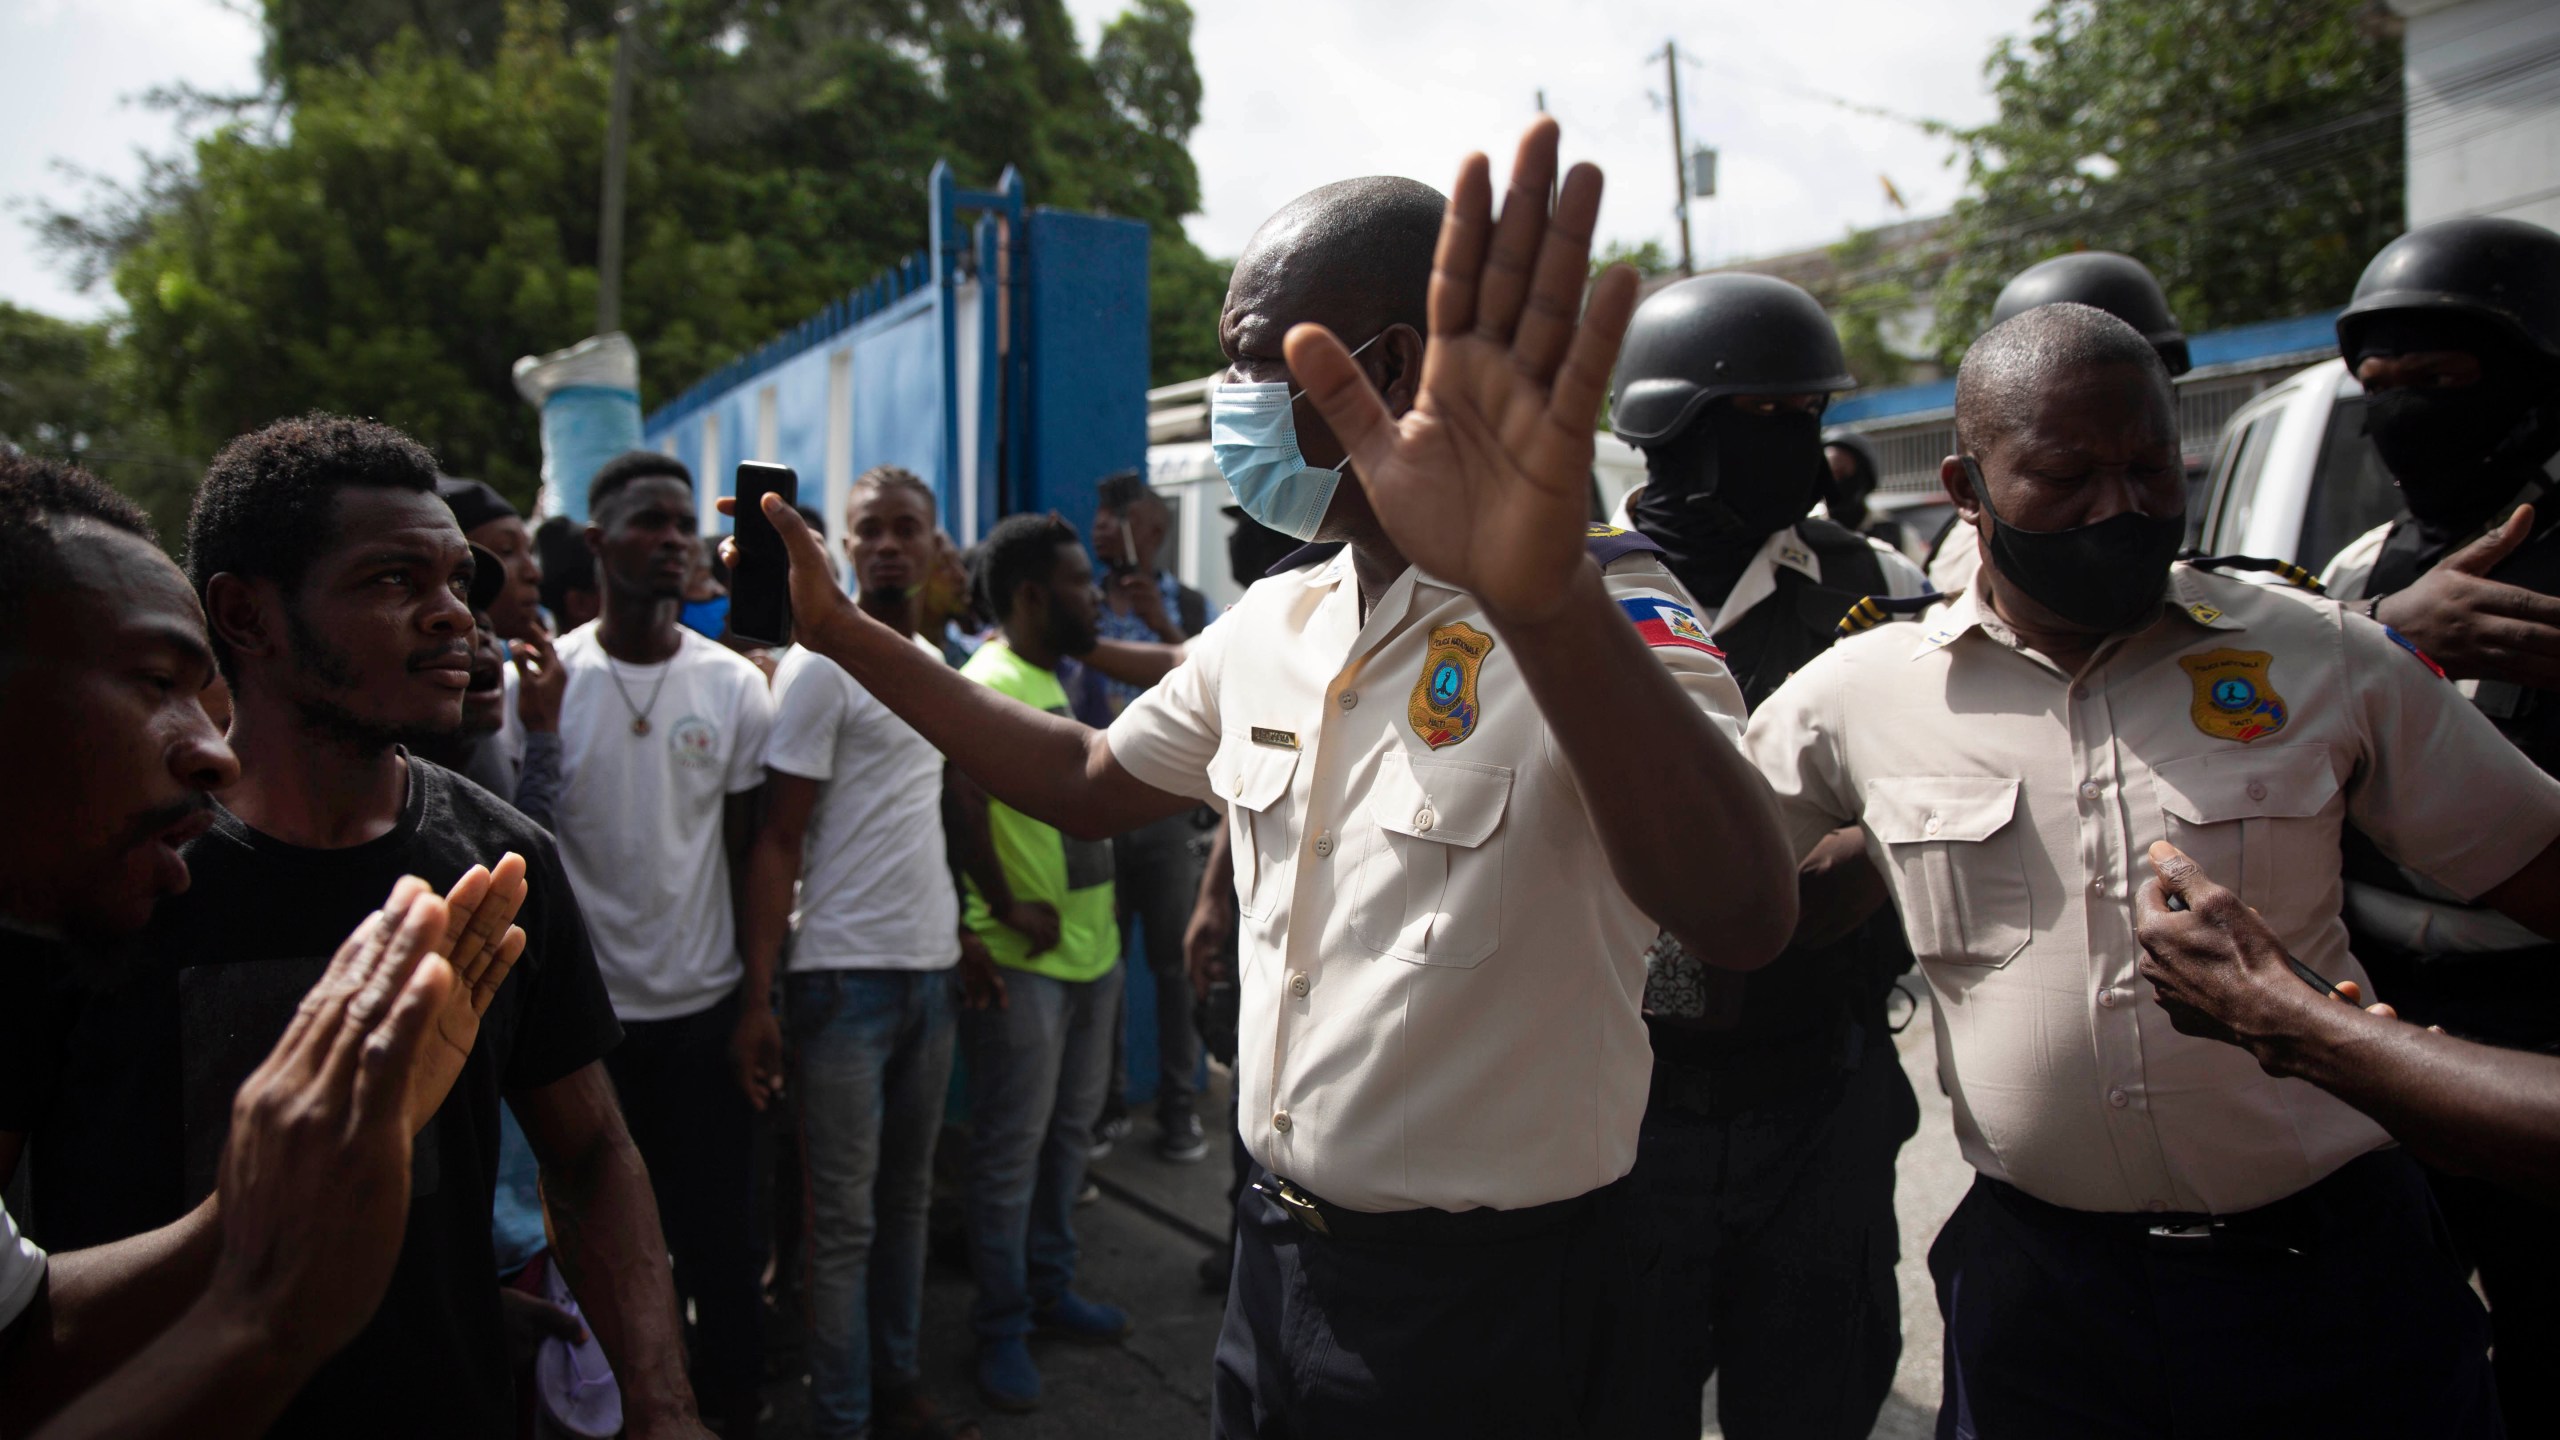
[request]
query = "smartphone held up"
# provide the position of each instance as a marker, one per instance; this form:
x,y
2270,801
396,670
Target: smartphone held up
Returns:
x,y
760,580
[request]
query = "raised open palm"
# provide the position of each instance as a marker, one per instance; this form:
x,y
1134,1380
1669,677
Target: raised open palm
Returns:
x,y
481,944
1486,481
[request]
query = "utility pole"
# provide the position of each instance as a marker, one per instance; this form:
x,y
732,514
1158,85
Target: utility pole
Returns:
x,y
1679,154
617,140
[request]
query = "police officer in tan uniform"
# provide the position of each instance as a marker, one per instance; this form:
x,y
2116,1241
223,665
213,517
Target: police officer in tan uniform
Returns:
x,y
1421,737
2162,1239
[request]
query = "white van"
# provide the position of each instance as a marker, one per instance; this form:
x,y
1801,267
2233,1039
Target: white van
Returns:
x,y
2293,476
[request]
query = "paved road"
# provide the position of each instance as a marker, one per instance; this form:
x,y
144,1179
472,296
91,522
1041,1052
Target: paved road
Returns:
x,y
1157,1386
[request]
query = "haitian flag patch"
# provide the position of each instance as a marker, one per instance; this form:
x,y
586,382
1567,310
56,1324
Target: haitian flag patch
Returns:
x,y
1662,621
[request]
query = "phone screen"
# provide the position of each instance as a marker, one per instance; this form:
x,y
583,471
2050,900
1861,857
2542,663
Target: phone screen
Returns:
x,y
760,583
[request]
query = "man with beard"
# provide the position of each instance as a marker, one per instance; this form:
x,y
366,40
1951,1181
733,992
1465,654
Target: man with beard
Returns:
x,y
2161,1238
333,581
102,652
2454,332
1421,731
662,741
1778,1101
1039,1064
854,823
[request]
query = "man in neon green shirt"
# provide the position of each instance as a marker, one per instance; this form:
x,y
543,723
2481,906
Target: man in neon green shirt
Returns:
x,y
1039,1063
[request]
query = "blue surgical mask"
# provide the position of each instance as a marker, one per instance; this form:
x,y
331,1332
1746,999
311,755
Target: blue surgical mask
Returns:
x,y
1253,435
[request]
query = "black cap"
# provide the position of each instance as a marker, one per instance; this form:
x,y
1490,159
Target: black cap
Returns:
x,y
1731,333
474,504
488,576
2118,284
2502,273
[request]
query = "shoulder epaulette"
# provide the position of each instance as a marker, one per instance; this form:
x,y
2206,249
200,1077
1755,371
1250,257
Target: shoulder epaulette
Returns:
x,y
2284,570
1303,555
1609,544
1873,611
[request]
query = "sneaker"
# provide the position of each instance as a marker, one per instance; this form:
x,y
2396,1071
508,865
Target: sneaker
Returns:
x,y
1180,1138
1087,1322
1007,1379
1091,1192
1108,1131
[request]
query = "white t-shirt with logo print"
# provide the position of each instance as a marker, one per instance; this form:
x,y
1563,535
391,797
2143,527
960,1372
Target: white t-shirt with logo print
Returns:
x,y
875,883
639,816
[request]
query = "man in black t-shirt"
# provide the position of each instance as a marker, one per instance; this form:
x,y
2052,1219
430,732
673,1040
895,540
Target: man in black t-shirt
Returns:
x,y
334,581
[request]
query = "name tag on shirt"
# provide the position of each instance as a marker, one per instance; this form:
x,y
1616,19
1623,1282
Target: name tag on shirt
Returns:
x,y
1281,739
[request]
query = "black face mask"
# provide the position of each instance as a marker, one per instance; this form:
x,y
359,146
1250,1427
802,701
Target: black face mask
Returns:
x,y
2103,577
1737,475
2460,453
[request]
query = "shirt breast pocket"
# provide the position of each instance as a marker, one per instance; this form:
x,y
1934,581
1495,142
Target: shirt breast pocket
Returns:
x,y
1429,884
1956,850
1253,779
2236,813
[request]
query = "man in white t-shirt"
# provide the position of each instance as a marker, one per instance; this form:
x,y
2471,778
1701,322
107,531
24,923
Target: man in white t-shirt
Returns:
x,y
854,815
662,737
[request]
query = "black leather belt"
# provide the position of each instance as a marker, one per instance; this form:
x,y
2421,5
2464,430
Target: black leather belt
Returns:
x,y
1419,1227
2290,1226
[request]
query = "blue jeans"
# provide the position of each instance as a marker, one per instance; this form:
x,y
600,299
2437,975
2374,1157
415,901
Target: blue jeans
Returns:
x,y
874,1060
1038,1070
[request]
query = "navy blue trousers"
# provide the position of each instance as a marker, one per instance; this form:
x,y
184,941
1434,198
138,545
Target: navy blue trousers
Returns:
x,y
1527,1336
1778,1247
2063,1323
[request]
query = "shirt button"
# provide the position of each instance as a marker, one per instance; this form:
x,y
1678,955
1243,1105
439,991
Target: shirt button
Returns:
x,y
2098,883
1423,820
1929,826
2257,789
1349,700
2089,790
2106,999
1280,1122
1324,845
1297,982
2117,1098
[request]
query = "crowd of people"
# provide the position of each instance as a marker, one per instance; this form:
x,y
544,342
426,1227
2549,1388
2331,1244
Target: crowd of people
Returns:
x,y
453,985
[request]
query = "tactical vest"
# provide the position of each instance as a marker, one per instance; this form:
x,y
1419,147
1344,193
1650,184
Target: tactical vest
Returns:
x,y
1798,1023
2503,997
1802,617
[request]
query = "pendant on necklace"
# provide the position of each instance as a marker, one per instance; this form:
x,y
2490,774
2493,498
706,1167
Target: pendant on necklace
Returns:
x,y
640,725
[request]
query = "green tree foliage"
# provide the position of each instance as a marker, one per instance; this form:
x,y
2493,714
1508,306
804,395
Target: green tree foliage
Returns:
x,y
2248,151
66,392
418,207
1863,302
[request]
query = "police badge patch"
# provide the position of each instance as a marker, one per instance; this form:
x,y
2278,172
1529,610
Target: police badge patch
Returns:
x,y
1443,708
2233,699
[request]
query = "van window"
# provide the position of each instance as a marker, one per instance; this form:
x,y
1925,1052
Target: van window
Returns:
x,y
2351,492
2243,457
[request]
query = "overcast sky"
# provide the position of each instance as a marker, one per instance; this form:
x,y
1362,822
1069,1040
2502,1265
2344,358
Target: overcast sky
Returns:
x,y
1297,92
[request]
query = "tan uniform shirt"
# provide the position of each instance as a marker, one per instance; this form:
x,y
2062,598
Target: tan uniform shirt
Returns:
x,y
1440,976
2010,807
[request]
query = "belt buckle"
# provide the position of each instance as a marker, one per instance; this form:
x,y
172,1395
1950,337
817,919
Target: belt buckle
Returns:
x,y
2200,1235
1301,1209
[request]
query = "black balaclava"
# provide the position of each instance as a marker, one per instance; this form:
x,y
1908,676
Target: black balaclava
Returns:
x,y
2460,453
1717,491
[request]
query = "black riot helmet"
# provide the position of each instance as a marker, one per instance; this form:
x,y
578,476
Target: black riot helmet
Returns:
x,y
2504,274
2104,280
1716,335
